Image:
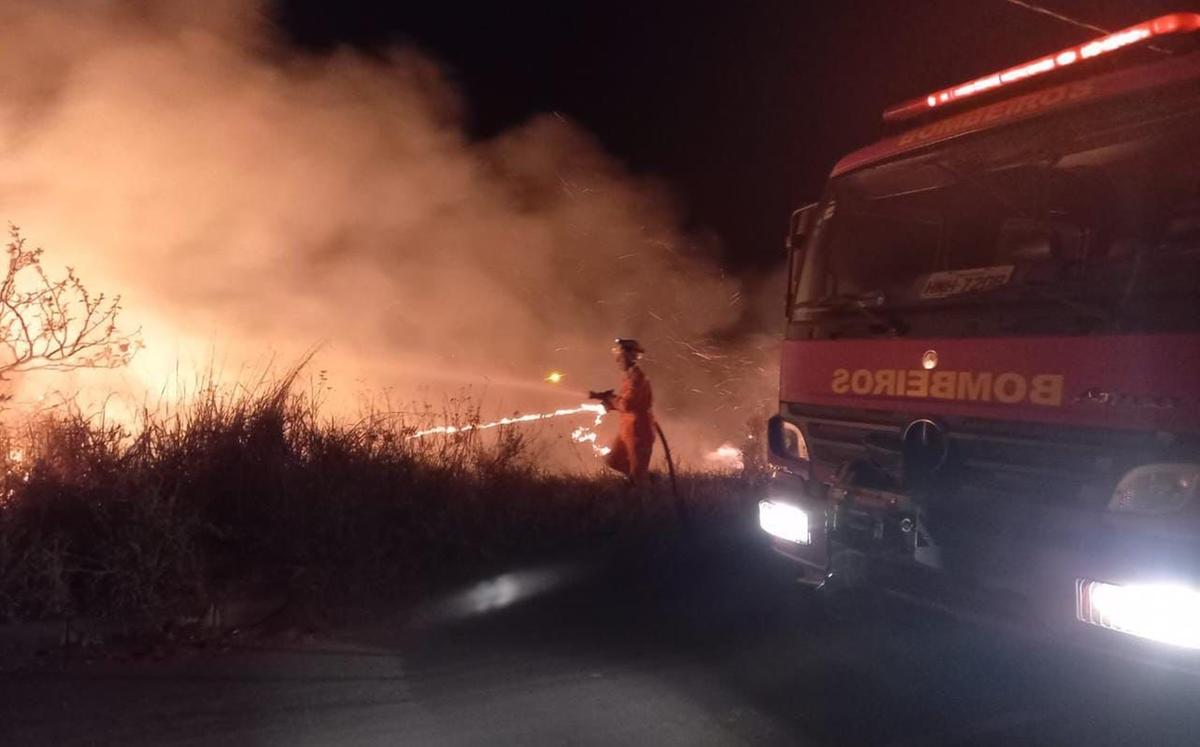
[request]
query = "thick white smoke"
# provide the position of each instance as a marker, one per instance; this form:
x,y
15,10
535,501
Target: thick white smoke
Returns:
x,y
251,202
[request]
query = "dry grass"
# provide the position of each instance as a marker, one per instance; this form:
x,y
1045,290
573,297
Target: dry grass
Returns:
x,y
96,520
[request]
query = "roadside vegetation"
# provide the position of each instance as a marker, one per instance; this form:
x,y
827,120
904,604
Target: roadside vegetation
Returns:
x,y
163,520
253,490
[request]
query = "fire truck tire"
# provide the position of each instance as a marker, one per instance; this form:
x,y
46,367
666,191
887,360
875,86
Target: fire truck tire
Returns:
x,y
844,597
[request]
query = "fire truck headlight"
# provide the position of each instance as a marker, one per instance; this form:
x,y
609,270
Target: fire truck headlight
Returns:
x,y
787,440
785,521
1166,613
1156,489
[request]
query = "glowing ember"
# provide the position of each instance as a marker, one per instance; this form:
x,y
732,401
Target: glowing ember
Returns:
x,y
555,377
449,430
16,456
726,456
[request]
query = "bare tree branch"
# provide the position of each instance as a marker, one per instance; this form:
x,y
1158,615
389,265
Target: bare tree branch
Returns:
x,y
56,324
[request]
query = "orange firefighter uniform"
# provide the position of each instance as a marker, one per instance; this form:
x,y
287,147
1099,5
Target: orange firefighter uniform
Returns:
x,y
631,450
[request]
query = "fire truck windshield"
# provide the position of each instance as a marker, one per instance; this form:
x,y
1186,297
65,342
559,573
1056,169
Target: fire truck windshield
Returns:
x,y
1073,226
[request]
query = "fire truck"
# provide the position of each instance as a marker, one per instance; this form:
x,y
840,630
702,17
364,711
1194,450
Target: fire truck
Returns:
x,y
990,378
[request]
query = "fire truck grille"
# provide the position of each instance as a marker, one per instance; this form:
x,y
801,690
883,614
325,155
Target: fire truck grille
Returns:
x,y
986,459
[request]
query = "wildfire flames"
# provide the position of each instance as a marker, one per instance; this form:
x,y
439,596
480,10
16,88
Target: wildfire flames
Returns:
x,y
726,456
583,434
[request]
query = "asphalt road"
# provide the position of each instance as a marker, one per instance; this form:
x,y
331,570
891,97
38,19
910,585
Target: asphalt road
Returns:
x,y
662,643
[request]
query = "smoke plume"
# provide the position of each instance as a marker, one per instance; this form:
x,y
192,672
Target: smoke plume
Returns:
x,y
251,201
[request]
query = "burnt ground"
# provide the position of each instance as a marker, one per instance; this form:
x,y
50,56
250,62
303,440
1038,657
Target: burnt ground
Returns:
x,y
655,641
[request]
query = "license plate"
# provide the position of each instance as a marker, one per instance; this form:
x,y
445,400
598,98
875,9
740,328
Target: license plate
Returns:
x,y
958,282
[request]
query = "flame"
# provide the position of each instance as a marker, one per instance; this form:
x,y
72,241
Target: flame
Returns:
x,y
16,455
555,377
727,456
449,430
586,434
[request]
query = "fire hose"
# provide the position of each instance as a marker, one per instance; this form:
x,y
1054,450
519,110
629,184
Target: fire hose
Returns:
x,y
679,507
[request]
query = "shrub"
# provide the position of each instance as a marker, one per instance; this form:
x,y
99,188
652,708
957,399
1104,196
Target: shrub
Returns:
x,y
164,517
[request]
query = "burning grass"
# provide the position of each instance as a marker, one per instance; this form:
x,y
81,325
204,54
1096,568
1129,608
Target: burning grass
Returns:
x,y
164,519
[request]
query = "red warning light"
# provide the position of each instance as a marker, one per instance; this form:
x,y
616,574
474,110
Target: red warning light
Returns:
x,y
1175,23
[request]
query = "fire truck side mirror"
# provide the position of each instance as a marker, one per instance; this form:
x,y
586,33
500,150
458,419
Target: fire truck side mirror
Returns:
x,y
801,226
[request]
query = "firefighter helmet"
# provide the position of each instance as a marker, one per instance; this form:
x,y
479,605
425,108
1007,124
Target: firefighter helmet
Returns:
x,y
629,346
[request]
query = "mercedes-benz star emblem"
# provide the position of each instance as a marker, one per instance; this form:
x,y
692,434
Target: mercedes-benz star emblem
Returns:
x,y
925,448
929,360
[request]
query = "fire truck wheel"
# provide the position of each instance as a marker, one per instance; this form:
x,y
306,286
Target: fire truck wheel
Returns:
x,y
845,597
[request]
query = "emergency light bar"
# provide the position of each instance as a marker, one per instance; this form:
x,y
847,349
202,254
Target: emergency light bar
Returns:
x,y
1174,23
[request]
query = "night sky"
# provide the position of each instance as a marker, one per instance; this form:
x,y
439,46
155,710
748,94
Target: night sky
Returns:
x,y
740,107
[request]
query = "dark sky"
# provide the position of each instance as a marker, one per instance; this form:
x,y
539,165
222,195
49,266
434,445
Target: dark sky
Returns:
x,y
740,106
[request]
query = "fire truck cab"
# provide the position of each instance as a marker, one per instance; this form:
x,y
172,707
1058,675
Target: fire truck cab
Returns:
x,y
990,379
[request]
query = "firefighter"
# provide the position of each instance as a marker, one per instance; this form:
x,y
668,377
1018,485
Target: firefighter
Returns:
x,y
630,454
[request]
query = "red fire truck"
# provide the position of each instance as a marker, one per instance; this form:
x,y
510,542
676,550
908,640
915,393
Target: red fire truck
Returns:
x,y
990,388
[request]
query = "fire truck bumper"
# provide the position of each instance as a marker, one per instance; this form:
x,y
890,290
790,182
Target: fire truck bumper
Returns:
x,y
1102,587
1082,581
1149,611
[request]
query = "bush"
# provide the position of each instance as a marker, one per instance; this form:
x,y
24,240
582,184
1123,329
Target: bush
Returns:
x,y
164,518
